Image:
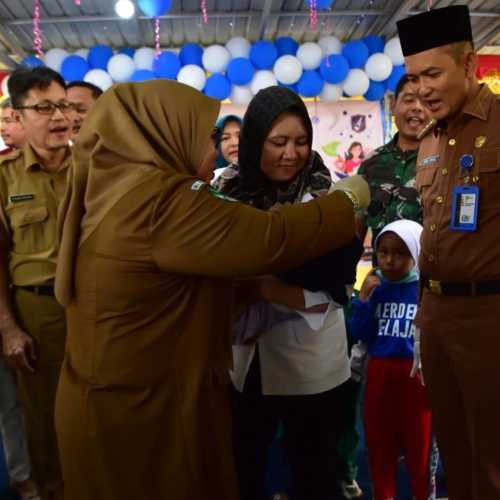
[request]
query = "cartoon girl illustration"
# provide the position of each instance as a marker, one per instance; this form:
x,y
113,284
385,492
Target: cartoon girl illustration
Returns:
x,y
353,158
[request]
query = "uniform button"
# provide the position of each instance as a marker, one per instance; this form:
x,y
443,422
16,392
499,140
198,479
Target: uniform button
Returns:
x,y
440,200
452,142
433,227
430,258
444,171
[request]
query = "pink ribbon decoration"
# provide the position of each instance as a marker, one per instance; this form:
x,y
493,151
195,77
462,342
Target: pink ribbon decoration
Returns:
x,y
77,2
429,4
37,32
204,13
157,36
313,14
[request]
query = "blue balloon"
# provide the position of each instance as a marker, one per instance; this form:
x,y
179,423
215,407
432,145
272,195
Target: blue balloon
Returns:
x,y
32,62
191,53
155,8
286,46
263,54
397,73
99,57
128,51
240,71
142,75
375,43
167,65
356,52
375,91
322,4
218,87
334,69
74,68
310,84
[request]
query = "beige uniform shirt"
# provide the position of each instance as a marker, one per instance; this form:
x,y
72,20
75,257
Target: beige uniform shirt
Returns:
x,y
29,198
449,255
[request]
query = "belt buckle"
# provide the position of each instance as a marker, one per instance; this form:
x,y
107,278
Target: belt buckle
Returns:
x,y
435,287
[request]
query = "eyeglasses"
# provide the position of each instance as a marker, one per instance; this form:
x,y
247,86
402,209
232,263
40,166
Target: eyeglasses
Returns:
x,y
49,108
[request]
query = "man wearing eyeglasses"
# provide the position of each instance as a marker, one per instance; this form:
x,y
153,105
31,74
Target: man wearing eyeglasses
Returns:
x,y
32,324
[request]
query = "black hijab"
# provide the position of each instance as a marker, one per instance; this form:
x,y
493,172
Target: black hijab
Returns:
x,y
247,183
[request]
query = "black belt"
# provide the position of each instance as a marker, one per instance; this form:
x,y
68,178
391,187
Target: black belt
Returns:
x,y
462,289
39,289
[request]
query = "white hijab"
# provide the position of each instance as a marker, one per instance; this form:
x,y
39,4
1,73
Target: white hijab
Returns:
x,y
410,232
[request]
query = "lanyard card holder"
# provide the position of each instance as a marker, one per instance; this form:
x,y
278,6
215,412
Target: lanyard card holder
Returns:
x,y
465,208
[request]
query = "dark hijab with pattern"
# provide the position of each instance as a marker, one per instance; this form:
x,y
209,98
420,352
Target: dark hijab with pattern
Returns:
x,y
247,182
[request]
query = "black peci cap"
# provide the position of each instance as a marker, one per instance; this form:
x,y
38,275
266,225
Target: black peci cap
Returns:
x,y
435,28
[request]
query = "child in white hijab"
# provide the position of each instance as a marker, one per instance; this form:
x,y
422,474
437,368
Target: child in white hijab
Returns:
x,y
397,416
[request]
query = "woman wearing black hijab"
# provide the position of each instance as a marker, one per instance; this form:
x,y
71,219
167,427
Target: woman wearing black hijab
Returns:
x,y
296,371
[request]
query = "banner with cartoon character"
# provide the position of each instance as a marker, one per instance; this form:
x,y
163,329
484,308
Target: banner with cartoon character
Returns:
x,y
345,132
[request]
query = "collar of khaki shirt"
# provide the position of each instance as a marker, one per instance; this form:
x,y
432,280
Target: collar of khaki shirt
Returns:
x,y
478,107
32,160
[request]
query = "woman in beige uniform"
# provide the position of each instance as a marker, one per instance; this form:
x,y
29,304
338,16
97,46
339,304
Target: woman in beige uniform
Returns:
x,y
146,255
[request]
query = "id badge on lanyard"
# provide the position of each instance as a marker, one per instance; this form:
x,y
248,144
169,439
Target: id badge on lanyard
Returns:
x,y
465,200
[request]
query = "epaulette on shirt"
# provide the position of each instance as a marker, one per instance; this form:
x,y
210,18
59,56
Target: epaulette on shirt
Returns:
x,y
13,155
430,125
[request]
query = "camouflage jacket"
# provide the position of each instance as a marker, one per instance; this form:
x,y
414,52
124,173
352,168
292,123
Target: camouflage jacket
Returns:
x,y
391,175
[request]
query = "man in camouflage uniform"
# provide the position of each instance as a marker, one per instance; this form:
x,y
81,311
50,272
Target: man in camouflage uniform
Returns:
x,y
391,169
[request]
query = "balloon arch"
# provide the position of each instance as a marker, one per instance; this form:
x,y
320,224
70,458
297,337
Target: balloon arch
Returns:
x,y
326,70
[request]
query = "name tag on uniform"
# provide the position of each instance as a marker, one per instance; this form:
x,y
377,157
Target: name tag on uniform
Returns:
x,y
429,160
16,198
465,208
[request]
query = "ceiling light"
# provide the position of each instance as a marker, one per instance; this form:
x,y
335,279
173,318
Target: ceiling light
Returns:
x,y
125,8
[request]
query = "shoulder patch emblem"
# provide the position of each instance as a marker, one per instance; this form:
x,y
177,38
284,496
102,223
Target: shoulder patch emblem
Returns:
x,y
197,185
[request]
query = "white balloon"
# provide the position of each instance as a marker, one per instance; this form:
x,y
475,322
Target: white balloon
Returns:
x,y
310,55
238,47
4,87
121,67
241,95
54,58
330,45
100,78
144,58
356,83
216,58
394,51
378,67
82,53
288,69
262,79
193,76
330,92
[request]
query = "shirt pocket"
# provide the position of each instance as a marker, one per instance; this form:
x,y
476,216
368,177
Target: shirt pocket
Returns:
x,y
425,177
489,177
31,229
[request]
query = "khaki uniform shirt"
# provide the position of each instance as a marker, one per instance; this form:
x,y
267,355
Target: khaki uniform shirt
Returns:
x,y
29,199
449,255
